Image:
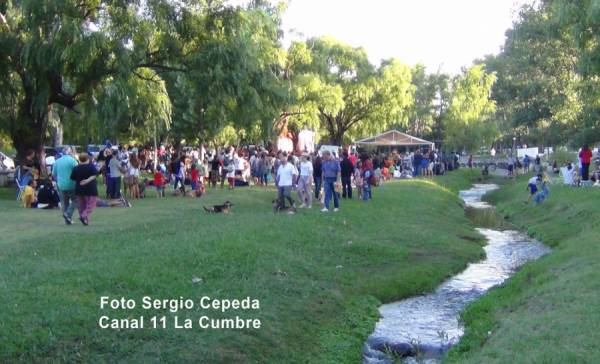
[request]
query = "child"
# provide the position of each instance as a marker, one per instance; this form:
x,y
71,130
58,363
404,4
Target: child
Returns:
x,y
230,175
195,174
142,187
358,179
543,194
28,196
159,183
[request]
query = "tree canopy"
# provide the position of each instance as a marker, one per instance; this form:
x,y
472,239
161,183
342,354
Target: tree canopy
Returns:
x,y
207,71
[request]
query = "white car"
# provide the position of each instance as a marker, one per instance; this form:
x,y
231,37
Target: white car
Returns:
x,y
6,163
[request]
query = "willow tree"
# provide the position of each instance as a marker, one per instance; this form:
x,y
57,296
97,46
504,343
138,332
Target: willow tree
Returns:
x,y
468,123
56,52
336,85
234,74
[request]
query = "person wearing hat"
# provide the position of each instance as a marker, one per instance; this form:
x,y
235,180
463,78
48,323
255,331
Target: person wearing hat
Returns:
x,y
61,173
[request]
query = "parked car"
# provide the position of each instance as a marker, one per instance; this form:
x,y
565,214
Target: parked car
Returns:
x,y
94,149
6,163
61,148
50,151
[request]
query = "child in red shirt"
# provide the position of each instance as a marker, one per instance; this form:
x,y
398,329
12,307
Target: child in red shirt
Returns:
x,y
194,177
159,183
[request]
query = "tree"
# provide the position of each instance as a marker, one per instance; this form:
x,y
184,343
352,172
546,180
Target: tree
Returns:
x,y
234,74
536,90
468,123
422,111
60,51
337,85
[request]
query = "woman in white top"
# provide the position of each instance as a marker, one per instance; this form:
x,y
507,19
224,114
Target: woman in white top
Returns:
x,y
305,182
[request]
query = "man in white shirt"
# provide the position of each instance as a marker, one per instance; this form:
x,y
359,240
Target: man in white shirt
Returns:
x,y
286,174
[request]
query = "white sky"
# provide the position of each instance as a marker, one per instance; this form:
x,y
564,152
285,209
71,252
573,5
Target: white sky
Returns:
x,y
438,33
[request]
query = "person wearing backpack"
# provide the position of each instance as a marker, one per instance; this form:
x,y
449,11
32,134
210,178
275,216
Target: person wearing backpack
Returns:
x,y
368,177
225,161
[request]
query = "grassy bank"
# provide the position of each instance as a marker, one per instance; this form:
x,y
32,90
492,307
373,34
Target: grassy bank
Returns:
x,y
319,277
550,311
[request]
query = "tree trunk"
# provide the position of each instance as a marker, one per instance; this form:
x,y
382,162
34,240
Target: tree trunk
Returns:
x,y
30,131
337,137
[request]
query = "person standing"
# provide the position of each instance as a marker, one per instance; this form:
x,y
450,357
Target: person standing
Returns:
x,y
262,167
115,170
159,183
84,176
225,161
286,174
61,172
417,160
305,182
585,157
367,177
317,174
331,172
346,169
214,171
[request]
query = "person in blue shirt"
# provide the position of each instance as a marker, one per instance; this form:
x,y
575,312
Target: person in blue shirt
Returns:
x,y
61,173
330,170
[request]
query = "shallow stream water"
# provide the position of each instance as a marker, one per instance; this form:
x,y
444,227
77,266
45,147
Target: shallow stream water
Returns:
x,y
425,327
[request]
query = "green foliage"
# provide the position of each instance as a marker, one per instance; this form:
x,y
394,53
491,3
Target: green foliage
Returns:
x,y
335,85
468,122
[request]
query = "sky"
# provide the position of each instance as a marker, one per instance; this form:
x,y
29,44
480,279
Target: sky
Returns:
x,y
442,34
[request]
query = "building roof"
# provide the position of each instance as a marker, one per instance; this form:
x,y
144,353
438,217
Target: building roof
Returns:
x,y
393,138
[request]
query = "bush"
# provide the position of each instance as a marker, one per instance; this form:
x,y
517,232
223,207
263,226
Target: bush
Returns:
x,y
562,157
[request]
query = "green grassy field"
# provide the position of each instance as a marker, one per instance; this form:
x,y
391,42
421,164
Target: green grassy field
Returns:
x,y
550,311
319,277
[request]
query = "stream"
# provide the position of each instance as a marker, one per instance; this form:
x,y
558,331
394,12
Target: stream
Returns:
x,y
425,327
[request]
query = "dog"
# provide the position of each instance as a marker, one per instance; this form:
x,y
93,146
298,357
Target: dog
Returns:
x,y
278,208
219,209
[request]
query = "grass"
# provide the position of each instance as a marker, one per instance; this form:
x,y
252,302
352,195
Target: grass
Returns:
x,y
549,311
319,277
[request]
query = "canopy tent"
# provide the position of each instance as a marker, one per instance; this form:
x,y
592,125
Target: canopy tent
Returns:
x,y
394,138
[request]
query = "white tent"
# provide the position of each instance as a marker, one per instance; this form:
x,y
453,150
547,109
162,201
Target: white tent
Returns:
x,y
394,138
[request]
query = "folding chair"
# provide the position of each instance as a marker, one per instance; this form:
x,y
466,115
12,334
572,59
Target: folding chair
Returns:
x,y
20,187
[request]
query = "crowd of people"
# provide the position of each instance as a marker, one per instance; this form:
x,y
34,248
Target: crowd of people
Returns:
x,y
128,171
327,176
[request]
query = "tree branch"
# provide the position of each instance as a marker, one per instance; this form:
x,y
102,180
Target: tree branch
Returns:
x,y
160,67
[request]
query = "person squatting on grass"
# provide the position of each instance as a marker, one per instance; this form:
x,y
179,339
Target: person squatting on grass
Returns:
x,y
331,173
538,194
86,190
286,174
305,182
532,186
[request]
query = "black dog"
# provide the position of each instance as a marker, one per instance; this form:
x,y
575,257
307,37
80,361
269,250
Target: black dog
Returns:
x,y
219,209
278,207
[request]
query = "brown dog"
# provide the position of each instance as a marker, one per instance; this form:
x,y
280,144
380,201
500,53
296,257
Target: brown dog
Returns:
x,y
219,209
